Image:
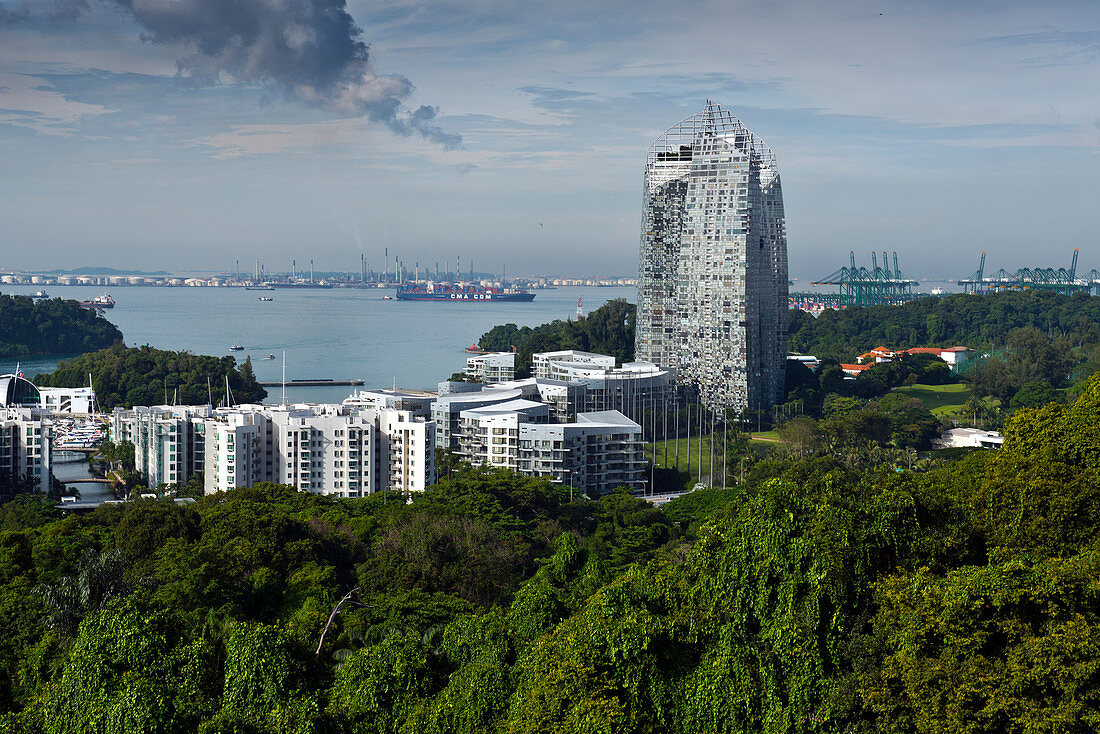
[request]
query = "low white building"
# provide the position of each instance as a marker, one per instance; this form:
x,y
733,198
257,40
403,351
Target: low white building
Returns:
x,y
492,367
968,438
416,402
80,400
555,365
446,410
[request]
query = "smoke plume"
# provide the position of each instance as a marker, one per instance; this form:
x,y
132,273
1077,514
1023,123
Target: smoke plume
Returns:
x,y
311,50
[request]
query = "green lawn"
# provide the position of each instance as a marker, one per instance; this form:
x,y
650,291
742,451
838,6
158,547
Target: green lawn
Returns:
x,y
941,399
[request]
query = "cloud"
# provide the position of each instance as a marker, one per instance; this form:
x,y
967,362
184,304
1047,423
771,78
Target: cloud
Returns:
x,y
1068,48
267,139
26,101
311,51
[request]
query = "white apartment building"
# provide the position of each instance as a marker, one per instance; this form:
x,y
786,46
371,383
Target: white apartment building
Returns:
x,y
447,409
416,402
632,389
550,364
25,446
490,435
232,453
326,449
594,455
405,448
168,440
322,449
492,367
322,452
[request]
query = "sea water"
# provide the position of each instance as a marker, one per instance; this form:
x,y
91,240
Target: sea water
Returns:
x,y
338,333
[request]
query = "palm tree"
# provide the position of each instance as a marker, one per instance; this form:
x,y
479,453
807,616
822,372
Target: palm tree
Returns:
x,y
98,580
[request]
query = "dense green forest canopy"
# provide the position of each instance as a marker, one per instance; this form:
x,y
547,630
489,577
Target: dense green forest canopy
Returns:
x,y
976,321
129,376
607,330
52,326
809,598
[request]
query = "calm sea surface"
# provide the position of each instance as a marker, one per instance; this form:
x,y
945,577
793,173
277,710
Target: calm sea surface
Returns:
x,y
339,333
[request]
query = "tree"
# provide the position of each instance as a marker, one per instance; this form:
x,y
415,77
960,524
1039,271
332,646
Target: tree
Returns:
x,y
100,578
52,326
607,330
1010,647
1032,357
128,376
1033,394
991,378
802,435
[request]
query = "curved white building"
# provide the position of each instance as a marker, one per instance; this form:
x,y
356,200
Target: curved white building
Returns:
x,y
712,283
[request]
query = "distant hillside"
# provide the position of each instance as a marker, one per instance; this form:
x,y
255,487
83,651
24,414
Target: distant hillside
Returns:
x,y
101,270
974,321
53,326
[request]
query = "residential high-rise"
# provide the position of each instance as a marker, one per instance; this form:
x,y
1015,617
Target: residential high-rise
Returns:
x,y
712,282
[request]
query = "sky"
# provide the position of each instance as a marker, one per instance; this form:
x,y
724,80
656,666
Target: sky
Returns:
x,y
184,135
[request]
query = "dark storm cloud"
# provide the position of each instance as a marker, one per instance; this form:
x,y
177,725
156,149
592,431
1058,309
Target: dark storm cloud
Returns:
x,y
311,50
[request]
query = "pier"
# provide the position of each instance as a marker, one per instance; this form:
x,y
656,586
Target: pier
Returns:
x,y
313,383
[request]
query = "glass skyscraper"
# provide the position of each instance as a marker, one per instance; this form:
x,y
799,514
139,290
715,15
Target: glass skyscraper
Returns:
x,y
713,267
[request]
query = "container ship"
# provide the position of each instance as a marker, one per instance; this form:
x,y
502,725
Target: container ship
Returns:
x,y
449,292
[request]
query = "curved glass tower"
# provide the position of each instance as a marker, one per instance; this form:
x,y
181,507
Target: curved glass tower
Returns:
x,y
712,282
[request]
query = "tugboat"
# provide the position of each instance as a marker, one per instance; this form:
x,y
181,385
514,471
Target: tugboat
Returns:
x,y
40,294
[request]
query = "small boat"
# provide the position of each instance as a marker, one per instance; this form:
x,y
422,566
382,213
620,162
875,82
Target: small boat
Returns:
x,y
270,356
266,298
387,298
236,348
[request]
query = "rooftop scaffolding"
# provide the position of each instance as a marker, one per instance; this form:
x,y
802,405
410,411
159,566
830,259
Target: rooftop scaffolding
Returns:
x,y
877,286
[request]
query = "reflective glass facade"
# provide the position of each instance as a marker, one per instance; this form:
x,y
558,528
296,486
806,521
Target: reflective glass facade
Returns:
x,y
712,283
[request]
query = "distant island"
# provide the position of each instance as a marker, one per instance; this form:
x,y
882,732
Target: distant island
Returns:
x,y
127,376
53,326
607,330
